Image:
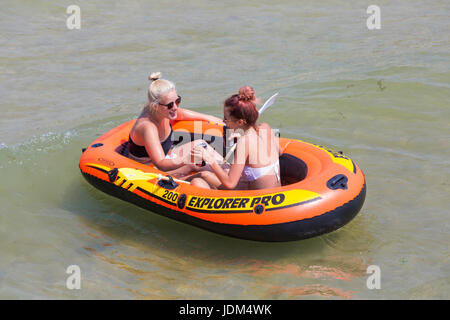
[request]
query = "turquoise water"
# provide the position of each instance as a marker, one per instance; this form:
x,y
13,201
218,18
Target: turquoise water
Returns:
x,y
381,96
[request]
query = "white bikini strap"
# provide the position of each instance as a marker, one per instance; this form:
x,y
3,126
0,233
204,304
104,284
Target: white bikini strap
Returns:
x,y
275,168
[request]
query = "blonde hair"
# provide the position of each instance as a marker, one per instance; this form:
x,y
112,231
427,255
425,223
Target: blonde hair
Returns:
x,y
158,87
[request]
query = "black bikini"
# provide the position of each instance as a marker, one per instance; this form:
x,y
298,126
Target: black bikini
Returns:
x,y
140,152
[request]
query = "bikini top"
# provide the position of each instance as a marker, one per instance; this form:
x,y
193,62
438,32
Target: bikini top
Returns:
x,y
252,174
140,152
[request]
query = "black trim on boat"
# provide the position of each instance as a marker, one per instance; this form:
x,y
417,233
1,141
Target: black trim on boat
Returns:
x,y
289,231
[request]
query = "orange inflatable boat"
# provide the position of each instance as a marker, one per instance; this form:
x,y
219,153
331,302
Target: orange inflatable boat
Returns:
x,y
321,190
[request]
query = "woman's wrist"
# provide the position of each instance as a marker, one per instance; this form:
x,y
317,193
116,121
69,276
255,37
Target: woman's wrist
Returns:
x,y
208,158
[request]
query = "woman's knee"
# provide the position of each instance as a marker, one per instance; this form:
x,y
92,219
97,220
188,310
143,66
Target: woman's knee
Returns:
x,y
199,182
206,174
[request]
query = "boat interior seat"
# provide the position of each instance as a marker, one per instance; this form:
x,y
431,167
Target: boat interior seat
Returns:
x,y
123,149
292,169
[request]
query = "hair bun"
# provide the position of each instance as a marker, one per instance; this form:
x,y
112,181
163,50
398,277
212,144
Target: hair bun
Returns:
x,y
154,76
246,93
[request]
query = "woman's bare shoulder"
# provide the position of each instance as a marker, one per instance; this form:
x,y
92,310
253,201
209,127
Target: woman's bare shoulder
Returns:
x,y
142,128
264,125
264,130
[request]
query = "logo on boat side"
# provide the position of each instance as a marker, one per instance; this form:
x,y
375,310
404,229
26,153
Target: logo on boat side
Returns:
x,y
108,162
334,153
244,203
339,158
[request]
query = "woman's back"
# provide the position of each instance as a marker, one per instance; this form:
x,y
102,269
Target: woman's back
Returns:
x,y
256,153
262,166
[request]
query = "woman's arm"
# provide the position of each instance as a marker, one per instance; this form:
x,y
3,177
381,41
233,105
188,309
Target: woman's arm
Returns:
x,y
231,179
156,152
186,114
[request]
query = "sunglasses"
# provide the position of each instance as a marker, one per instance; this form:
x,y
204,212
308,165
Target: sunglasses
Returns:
x,y
170,105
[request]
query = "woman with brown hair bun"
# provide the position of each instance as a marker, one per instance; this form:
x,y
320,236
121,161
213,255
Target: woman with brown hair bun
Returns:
x,y
150,139
257,152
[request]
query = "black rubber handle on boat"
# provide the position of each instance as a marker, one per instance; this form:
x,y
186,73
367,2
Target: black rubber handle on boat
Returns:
x,y
338,182
112,174
168,184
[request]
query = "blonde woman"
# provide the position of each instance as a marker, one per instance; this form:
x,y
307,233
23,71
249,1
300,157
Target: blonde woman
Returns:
x,y
150,139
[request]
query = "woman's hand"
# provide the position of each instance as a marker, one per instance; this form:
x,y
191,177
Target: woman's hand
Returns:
x,y
204,152
217,121
193,167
